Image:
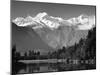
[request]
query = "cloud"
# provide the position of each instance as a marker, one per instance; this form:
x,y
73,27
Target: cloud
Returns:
x,y
82,22
86,23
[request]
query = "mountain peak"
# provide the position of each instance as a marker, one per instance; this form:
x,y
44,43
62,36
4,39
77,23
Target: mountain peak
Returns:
x,y
41,15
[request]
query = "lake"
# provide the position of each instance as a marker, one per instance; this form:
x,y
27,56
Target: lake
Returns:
x,y
51,65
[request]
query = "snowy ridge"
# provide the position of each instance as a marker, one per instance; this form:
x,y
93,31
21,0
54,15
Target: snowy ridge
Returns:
x,y
82,22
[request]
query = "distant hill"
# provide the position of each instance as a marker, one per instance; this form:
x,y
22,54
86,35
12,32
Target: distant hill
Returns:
x,y
26,38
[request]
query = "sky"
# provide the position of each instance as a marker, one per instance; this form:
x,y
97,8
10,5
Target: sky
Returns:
x,y
24,9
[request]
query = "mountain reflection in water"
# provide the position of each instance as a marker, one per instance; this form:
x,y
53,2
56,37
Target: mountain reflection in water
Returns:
x,y
52,67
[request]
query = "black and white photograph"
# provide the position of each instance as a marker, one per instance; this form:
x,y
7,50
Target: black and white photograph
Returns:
x,y
52,37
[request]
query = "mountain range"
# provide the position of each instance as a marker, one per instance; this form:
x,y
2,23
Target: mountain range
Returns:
x,y
52,32
82,22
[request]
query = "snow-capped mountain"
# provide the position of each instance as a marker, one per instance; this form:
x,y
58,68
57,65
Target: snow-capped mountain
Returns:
x,y
58,32
39,21
44,20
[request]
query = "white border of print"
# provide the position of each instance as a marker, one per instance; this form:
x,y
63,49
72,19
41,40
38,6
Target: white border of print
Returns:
x,y
5,37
